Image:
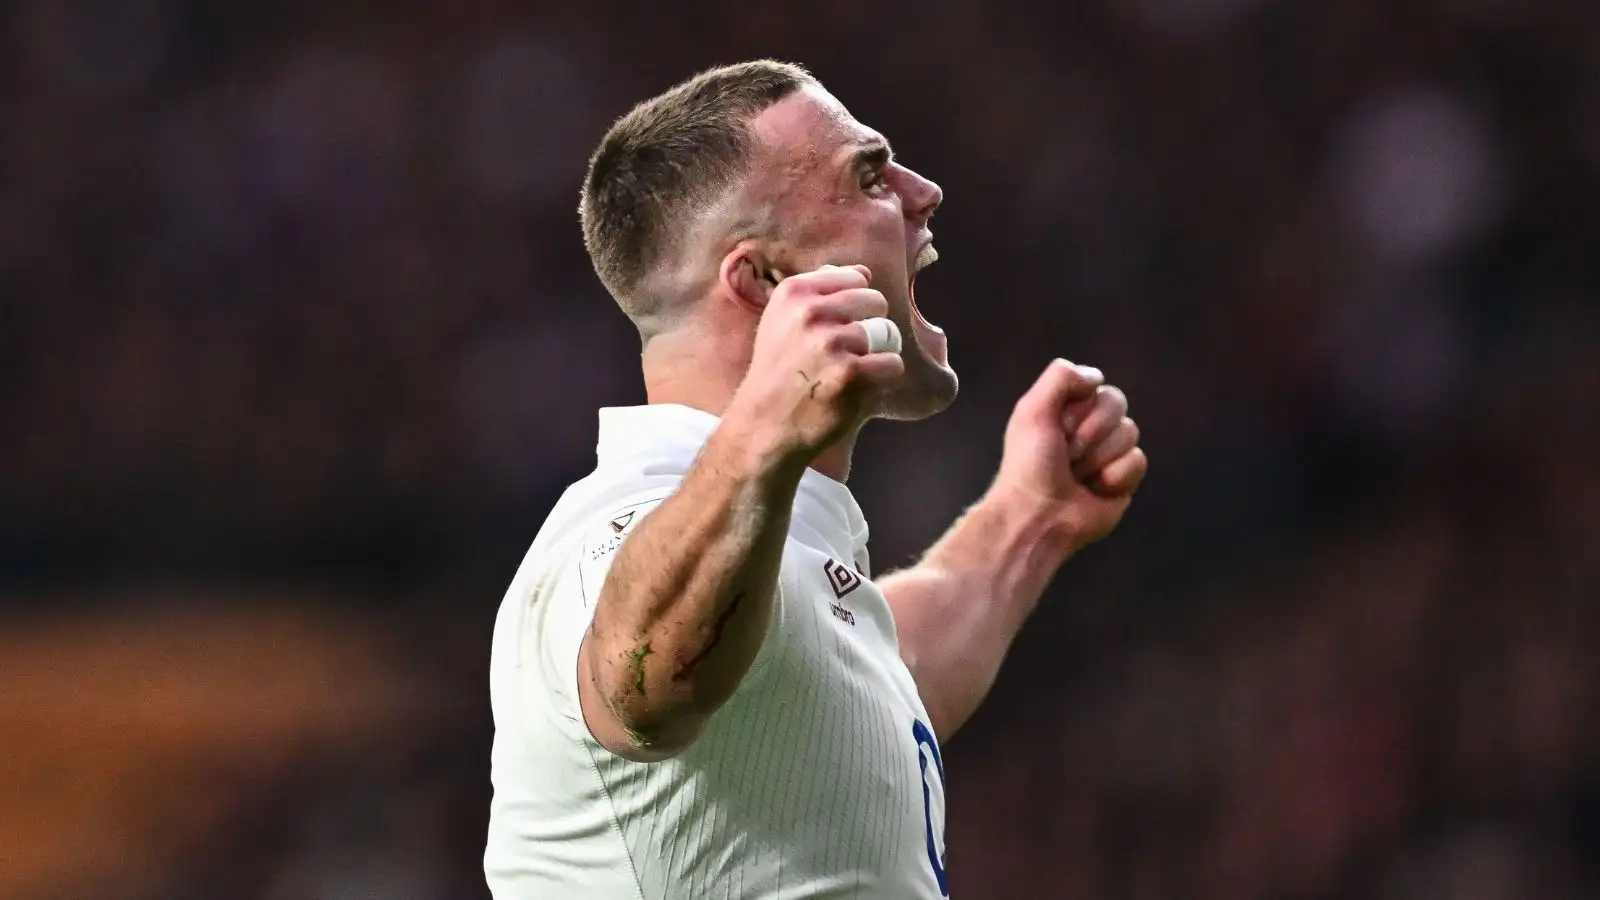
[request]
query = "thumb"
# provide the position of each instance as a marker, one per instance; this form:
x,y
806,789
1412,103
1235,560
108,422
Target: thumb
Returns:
x,y
1061,383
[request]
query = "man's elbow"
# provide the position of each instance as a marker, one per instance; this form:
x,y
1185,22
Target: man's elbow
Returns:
x,y
645,738
627,721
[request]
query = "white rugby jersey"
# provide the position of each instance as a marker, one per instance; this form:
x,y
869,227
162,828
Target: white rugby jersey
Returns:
x,y
820,778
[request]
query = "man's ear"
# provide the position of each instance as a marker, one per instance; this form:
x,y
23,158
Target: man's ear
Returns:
x,y
748,277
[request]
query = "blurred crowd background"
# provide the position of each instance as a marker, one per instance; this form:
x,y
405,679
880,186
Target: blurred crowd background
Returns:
x,y
298,344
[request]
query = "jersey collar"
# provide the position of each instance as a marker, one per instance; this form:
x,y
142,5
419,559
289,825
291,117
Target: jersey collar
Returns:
x,y
664,438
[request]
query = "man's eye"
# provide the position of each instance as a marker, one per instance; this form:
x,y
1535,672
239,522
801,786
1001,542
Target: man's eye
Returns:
x,y
872,181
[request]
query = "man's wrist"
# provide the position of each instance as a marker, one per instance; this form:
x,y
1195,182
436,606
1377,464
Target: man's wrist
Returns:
x,y
750,451
1039,522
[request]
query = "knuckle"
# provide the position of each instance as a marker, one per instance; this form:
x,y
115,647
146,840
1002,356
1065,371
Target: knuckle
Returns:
x,y
1132,428
820,344
787,299
833,383
812,312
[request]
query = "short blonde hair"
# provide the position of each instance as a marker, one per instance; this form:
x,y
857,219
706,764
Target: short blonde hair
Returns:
x,y
665,162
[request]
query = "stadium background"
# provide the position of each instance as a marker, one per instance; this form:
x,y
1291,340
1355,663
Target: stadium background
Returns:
x,y
299,343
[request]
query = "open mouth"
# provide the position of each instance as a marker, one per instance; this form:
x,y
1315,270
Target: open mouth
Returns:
x,y
927,257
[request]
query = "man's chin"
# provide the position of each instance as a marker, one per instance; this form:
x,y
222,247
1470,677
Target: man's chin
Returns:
x,y
928,389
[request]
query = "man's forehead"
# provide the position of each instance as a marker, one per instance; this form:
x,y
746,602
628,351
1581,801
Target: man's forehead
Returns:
x,y
808,129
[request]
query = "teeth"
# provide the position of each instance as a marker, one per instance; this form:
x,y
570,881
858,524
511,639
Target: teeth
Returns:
x,y
927,257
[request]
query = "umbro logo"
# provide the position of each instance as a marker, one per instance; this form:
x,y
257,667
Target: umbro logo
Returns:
x,y
841,578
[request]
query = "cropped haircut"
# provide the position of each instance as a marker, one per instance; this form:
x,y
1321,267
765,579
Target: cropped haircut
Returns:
x,y
662,165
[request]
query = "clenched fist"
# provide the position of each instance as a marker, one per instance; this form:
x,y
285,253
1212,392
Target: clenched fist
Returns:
x,y
1071,447
812,375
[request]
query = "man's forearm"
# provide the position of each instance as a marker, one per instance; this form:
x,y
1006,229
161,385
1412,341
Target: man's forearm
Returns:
x,y
959,608
685,608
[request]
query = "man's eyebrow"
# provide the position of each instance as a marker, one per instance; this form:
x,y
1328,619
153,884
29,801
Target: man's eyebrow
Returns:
x,y
872,154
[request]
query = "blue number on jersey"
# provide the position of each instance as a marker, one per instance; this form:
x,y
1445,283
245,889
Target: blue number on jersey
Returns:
x,y
924,737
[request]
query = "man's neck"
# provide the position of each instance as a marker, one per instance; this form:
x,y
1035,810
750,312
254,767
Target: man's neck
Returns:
x,y
834,462
677,373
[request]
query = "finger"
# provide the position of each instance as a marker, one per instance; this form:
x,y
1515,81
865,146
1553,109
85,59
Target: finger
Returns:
x,y
1060,384
880,369
1122,475
829,279
1115,445
1090,422
851,305
866,337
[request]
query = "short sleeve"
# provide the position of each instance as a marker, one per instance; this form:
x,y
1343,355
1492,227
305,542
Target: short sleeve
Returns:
x,y
603,539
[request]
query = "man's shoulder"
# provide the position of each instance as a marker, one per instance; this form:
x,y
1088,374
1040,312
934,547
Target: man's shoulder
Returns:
x,y
603,495
556,585
610,524
598,512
